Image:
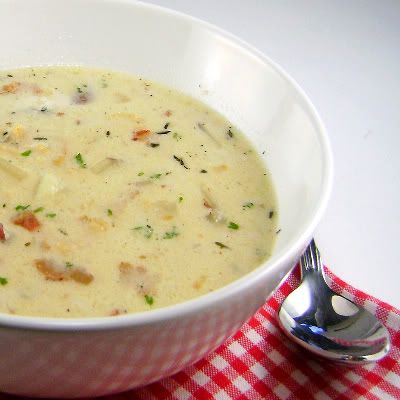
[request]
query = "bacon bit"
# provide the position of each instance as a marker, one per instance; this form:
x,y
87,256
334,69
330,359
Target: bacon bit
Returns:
x,y
27,220
2,233
54,273
141,135
206,204
10,88
168,113
47,269
82,98
117,311
80,276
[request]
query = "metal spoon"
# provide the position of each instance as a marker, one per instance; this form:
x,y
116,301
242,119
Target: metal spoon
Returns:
x,y
328,324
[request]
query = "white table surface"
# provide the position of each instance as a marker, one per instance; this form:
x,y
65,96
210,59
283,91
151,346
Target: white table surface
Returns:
x,y
346,56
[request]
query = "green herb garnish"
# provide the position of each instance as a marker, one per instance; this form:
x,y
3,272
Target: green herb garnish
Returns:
x,y
51,215
22,208
248,205
3,281
39,209
109,212
233,225
26,153
156,176
180,199
79,160
171,234
69,264
271,214
146,229
149,299
141,173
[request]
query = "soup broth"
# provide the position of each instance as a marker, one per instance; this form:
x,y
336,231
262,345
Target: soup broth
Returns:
x,y
119,195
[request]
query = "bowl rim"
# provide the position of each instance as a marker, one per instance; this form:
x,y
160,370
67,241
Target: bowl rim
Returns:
x,y
204,301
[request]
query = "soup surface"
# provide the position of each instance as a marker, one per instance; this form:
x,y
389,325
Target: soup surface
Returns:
x,y
120,195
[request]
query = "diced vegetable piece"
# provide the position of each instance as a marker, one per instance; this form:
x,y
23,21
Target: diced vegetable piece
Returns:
x,y
214,213
48,185
27,220
12,170
138,276
2,233
104,164
141,135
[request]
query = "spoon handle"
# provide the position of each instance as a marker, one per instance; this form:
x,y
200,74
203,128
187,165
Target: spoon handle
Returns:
x,y
310,261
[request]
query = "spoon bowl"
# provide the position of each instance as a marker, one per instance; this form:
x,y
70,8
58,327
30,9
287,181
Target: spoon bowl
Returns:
x,y
328,324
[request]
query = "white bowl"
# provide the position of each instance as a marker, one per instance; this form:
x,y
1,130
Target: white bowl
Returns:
x,y
47,357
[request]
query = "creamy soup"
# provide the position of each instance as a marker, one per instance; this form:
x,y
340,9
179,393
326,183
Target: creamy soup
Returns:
x,y
120,195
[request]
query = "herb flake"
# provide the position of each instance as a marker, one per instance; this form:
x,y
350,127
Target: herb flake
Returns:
x,y
233,225
221,245
171,234
3,281
79,159
149,299
21,207
26,153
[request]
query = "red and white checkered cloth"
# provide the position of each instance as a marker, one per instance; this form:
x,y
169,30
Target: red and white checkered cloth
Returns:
x,y
260,362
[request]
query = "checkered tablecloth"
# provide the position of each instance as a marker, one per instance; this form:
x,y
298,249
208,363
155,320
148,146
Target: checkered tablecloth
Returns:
x,y
259,362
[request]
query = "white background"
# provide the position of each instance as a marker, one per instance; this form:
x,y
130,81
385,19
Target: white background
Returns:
x,y
346,56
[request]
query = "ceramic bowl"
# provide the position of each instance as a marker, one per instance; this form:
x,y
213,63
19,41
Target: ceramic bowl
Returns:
x,y
47,357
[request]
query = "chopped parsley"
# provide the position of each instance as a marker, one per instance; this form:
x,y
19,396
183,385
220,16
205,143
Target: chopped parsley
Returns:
x,y
62,232
156,176
69,264
248,205
80,161
109,212
146,229
51,215
26,153
229,133
21,207
141,173
149,299
233,225
180,199
3,281
171,234
40,138
163,132
154,144
271,214
27,244
203,171
39,209
180,161
221,245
